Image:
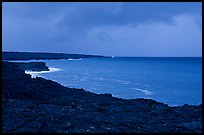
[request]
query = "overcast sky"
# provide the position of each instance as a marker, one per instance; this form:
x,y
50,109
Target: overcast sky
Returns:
x,y
119,29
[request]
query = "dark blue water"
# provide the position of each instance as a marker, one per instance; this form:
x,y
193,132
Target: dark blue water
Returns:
x,y
174,81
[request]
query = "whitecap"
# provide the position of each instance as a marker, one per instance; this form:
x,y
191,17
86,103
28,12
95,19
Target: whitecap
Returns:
x,y
125,82
146,92
53,69
35,73
120,81
74,59
99,78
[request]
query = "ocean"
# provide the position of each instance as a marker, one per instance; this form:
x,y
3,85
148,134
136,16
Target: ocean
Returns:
x,y
171,80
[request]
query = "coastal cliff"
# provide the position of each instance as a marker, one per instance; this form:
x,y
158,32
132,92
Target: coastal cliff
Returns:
x,y
40,105
32,66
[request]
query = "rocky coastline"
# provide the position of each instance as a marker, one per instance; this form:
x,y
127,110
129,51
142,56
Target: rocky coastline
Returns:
x,y
32,66
38,105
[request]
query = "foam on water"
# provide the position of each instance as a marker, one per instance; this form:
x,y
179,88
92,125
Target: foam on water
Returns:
x,y
174,81
74,59
99,78
146,92
120,81
35,73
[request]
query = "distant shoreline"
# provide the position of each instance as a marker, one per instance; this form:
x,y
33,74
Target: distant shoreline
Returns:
x,y
10,55
44,56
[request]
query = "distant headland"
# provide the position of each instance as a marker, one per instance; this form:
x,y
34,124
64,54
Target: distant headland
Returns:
x,y
43,56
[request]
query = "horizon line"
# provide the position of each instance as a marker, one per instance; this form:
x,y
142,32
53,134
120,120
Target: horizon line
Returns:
x,y
106,55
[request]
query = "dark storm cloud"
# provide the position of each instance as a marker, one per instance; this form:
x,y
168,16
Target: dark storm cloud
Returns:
x,y
125,29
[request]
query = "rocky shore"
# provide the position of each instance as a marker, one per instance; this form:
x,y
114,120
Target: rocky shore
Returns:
x,y
32,66
40,105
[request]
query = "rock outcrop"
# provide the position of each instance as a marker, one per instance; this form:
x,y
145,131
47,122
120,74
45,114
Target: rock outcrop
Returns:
x,y
32,66
40,105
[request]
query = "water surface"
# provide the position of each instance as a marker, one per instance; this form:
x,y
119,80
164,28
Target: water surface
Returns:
x,y
174,81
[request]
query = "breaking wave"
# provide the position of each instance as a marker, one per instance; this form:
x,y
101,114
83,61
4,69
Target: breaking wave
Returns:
x,y
35,73
146,92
